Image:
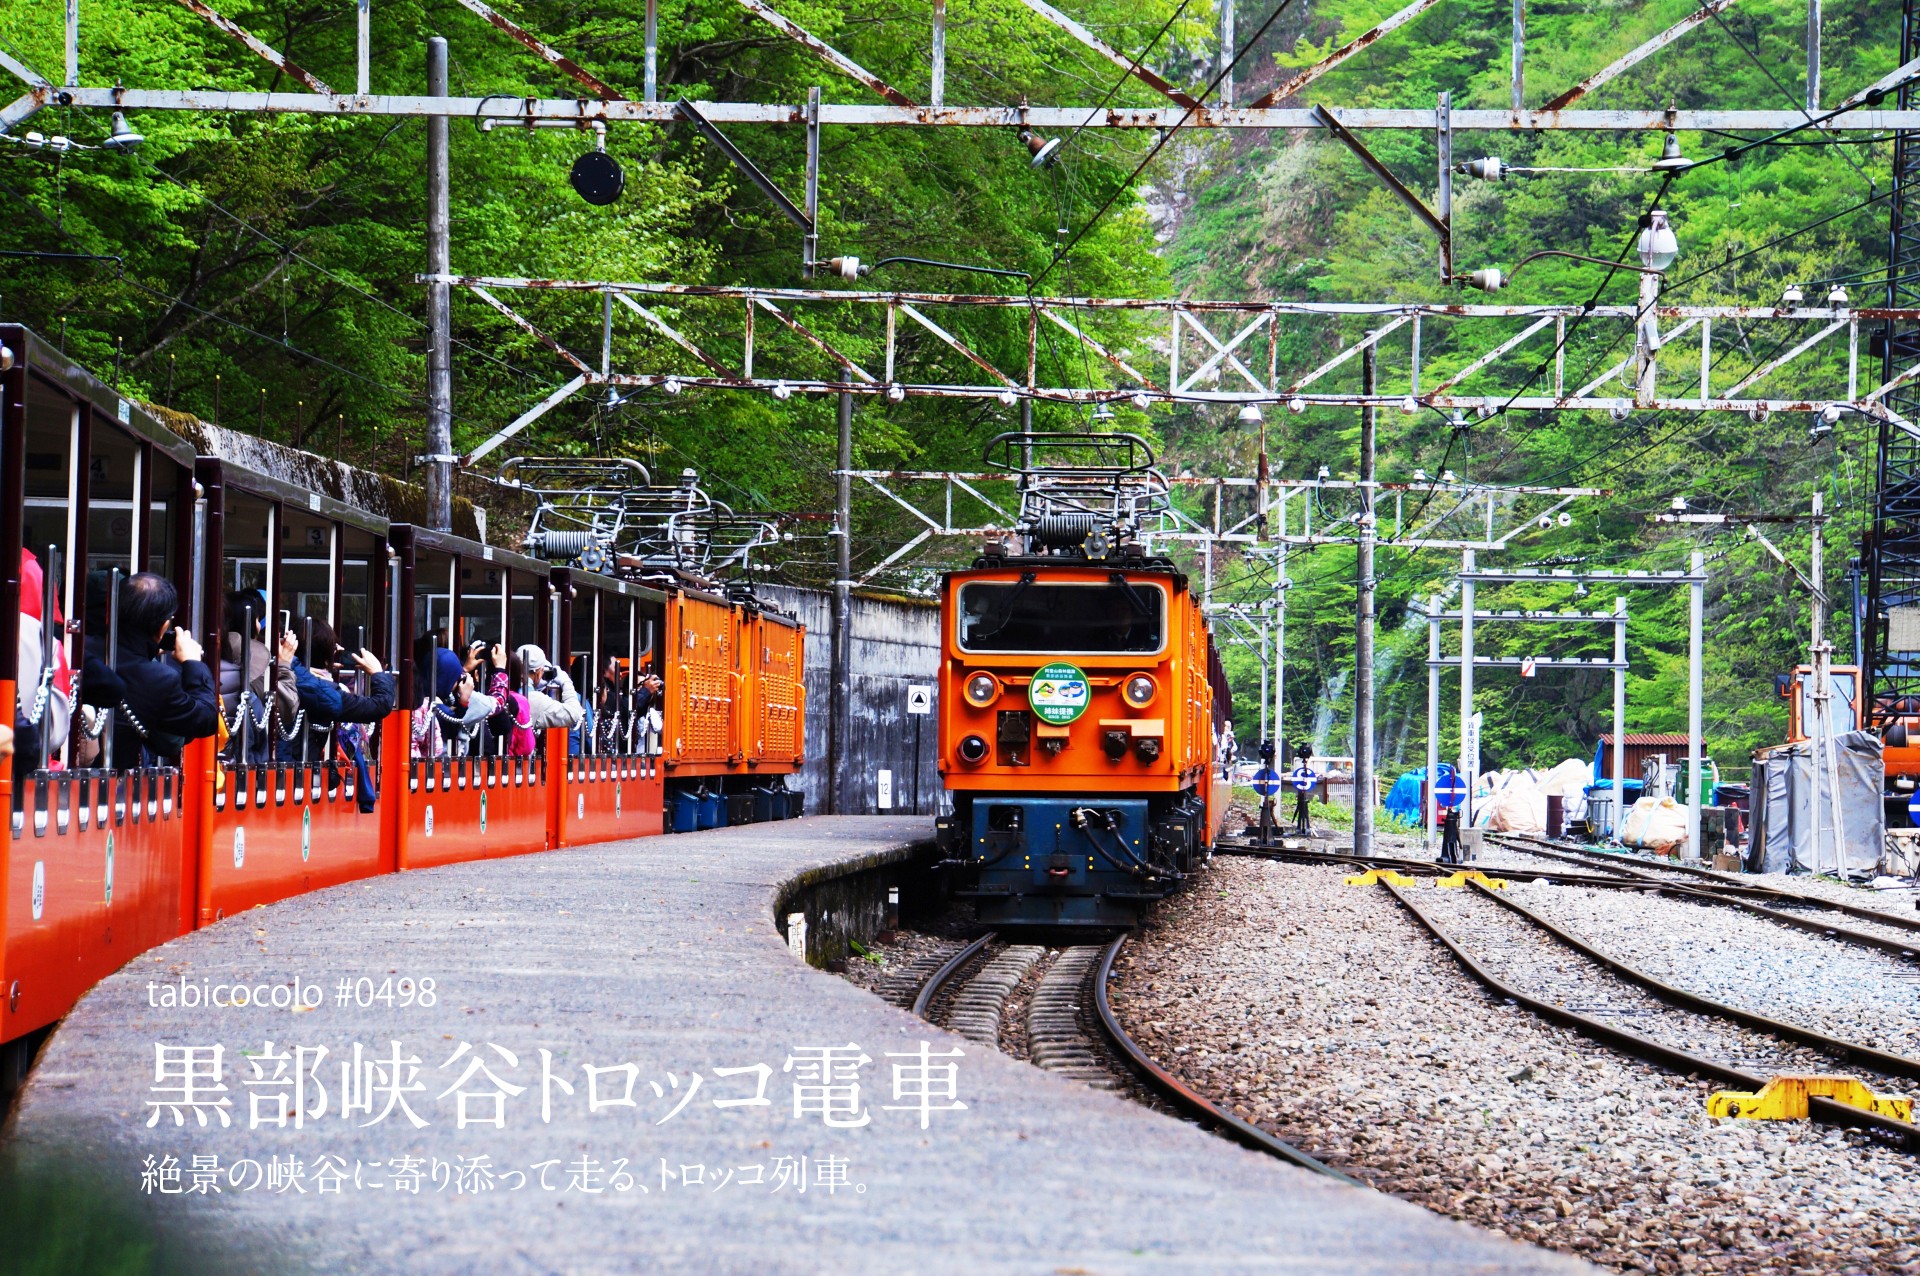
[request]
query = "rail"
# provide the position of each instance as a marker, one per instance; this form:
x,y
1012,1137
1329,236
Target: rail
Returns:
x,y
1826,1111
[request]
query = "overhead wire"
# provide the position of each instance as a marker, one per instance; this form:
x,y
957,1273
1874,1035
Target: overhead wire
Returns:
x,y
1161,141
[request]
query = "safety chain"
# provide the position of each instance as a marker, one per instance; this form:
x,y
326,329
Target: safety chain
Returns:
x,y
41,696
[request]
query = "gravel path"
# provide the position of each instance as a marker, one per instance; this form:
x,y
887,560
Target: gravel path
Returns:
x,y
1840,989
1323,1013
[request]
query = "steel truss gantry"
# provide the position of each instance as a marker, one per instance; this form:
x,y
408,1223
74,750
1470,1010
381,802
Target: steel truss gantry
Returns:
x,y
1446,515
1172,106
1160,352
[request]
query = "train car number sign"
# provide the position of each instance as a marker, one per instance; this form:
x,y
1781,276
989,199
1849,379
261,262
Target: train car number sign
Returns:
x,y
1059,693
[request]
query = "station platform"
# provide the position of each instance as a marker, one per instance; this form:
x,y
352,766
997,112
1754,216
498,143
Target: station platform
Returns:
x,y
658,963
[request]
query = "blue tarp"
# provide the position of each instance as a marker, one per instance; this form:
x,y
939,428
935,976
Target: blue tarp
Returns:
x,y
1403,800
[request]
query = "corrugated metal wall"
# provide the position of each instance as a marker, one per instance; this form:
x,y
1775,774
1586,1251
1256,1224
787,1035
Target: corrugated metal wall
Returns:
x,y
896,644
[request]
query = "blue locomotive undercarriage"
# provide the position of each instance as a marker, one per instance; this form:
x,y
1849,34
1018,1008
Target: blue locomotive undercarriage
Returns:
x,y
1070,860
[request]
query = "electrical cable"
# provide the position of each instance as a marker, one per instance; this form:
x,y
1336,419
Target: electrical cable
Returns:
x,y
1159,143
1784,92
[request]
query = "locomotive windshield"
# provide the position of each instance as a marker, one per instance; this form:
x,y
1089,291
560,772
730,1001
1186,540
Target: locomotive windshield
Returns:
x,y
1113,617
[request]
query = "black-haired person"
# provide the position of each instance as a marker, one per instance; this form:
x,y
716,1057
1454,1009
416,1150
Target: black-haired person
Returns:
x,y
324,701
649,719
330,707
247,644
166,696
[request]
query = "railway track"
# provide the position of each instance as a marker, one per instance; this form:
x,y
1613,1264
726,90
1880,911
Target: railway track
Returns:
x,y
1511,950
1892,934
1069,1028
1895,935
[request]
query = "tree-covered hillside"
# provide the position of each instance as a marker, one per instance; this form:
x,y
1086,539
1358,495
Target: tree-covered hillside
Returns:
x,y
260,270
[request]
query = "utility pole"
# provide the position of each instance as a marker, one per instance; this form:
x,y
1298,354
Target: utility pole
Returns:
x,y
1813,57
1619,718
1696,623
1822,697
841,786
439,304
1469,738
1363,630
1280,587
1433,719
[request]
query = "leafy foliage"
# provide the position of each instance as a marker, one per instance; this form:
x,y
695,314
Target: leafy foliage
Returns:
x,y
265,274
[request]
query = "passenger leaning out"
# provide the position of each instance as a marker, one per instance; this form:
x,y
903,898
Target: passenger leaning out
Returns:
x,y
450,714
245,645
166,696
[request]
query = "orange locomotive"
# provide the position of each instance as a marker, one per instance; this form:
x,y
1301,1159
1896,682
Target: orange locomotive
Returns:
x,y
1081,703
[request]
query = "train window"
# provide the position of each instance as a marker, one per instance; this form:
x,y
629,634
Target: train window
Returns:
x,y
1110,617
361,586
306,567
433,597
525,622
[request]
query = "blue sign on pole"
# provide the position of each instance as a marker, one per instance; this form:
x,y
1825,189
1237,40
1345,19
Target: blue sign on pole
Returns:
x,y
1450,792
1303,779
1913,808
1266,781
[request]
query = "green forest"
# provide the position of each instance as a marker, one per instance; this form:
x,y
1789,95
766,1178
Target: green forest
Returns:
x,y
259,271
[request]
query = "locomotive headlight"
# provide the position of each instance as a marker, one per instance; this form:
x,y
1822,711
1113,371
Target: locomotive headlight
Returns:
x,y
982,689
1139,690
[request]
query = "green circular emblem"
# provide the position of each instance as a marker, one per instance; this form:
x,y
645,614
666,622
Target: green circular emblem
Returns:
x,y
1059,693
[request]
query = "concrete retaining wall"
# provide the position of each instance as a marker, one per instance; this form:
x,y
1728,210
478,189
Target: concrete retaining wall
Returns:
x,y
896,644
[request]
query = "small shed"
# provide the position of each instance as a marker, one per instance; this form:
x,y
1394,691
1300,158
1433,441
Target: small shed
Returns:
x,y
1638,748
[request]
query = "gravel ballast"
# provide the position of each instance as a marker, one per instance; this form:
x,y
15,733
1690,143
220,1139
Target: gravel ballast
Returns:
x,y
1325,1014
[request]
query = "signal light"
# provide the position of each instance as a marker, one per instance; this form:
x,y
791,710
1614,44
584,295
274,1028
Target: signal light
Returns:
x,y
1139,690
973,750
982,689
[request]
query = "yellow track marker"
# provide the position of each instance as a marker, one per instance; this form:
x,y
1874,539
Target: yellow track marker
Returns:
x,y
1466,875
1785,1099
1373,875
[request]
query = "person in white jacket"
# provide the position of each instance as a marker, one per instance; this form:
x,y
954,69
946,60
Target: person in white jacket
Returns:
x,y
550,692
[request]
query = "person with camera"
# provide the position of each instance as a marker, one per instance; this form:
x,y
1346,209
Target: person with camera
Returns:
x,y
319,667
336,716
450,713
166,695
246,646
649,718
550,692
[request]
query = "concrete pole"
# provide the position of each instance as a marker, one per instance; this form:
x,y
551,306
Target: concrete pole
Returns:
x,y
1280,584
439,305
1647,344
1443,137
650,84
1619,718
937,83
1823,751
1363,630
1696,623
1813,55
1433,718
1226,53
840,785
1469,745
1519,55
